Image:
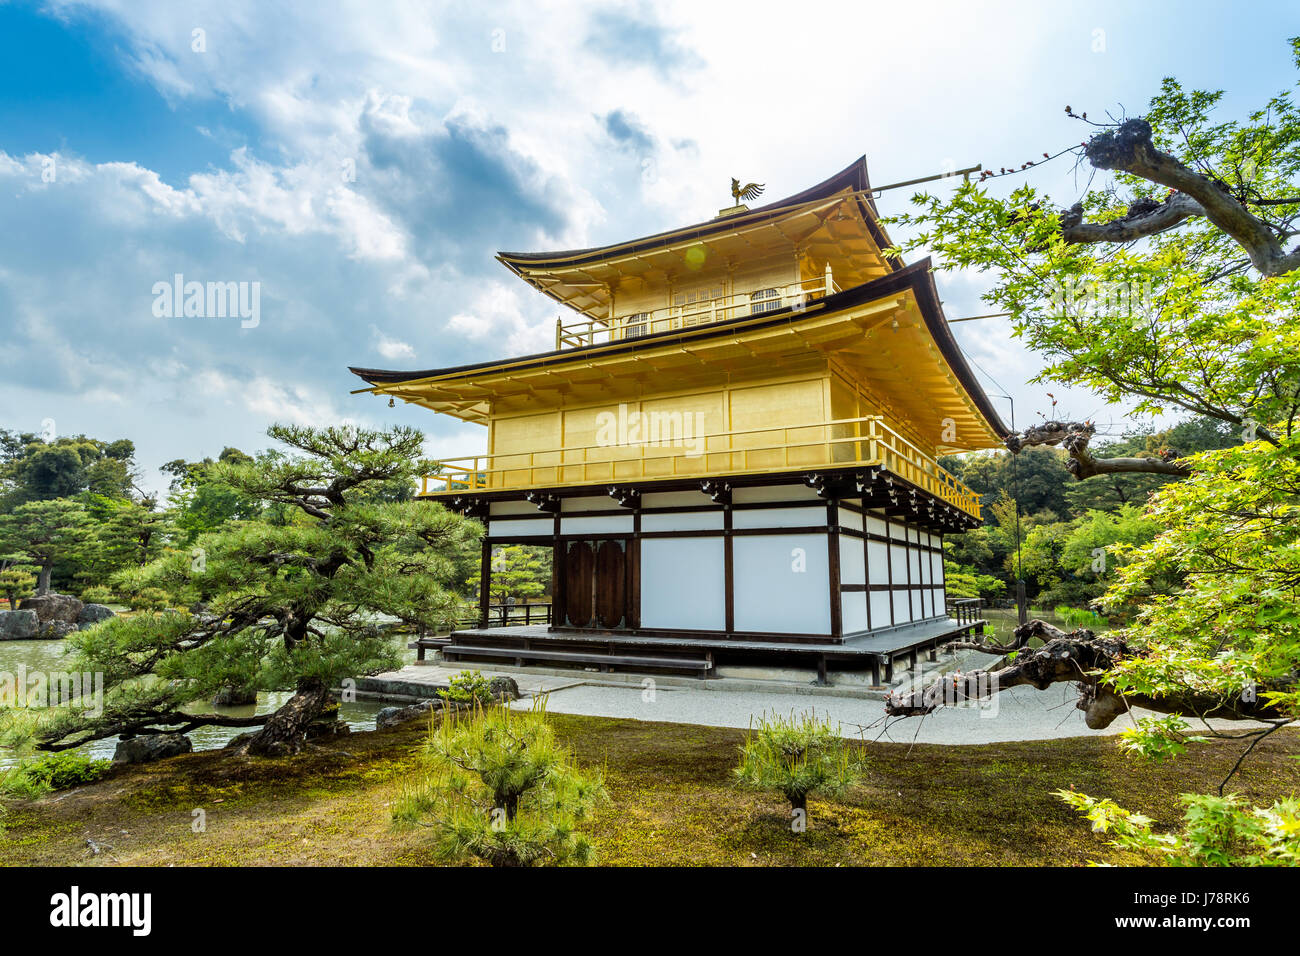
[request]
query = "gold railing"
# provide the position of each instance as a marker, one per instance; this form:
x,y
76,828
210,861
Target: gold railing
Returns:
x,y
671,318
842,443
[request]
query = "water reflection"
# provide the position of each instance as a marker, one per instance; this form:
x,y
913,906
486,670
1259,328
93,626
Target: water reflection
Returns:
x,y
50,656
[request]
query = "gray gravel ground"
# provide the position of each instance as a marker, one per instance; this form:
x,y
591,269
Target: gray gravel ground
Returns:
x,y
1021,713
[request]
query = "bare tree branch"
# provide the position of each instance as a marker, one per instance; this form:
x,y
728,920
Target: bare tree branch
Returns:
x,y
1081,658
1130,148
1074,438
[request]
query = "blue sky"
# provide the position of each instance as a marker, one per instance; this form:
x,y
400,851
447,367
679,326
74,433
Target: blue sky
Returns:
x,y
364,161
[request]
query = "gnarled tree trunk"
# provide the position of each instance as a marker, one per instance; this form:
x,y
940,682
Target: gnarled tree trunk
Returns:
x,y
286,731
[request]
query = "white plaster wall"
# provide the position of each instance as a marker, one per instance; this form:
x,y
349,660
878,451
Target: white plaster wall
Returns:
x,y
879,609
512,508
771,595
853,568
513,528
683,583
902,607
612,524
854,611
775,493
591,503
814,516
675,499
687,521
877,562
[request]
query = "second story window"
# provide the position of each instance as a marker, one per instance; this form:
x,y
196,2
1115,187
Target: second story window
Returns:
x,y
636,324
696,306
764,300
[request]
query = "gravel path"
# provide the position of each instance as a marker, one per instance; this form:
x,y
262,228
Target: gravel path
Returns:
x,y
1021,713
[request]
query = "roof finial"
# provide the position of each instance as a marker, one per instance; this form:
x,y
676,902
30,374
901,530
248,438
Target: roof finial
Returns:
x,y
746,192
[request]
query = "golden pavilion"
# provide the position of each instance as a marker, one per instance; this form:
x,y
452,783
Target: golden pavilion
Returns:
x,y
732,448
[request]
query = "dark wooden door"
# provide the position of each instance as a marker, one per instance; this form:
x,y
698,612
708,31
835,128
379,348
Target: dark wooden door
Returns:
x,y
579,568
611,584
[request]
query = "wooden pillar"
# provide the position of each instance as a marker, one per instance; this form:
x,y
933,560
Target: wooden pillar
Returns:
x,y
728,570
485,582
833,554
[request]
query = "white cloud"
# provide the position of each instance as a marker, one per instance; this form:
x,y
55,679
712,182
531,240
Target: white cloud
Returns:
x,y
392,349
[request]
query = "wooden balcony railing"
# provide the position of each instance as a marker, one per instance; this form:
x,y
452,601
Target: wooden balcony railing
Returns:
x,y
842,443
965,610
739,305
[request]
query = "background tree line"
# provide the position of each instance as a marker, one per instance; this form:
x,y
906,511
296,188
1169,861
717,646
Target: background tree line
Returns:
x,y
1071,533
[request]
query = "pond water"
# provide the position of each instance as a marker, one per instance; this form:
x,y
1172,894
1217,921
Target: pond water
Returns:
x,y
55,656
1002,621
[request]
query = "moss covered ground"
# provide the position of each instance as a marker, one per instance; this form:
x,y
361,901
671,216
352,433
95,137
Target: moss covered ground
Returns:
x,y
673,802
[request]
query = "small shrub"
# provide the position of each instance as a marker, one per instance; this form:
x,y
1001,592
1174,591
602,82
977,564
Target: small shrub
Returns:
x,y
467,687
149,599
796,757
1217,831
57,771
500,789
97,594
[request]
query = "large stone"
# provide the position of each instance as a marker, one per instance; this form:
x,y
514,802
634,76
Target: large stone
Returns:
x,y
503,688
230,696
18,625
392,716
54,630
92,614
53,607
151,747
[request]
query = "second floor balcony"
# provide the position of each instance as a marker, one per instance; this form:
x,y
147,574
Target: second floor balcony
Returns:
x,y
676,454
698,311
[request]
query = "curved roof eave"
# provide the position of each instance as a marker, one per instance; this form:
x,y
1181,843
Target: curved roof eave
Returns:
x,y
917,277
853,176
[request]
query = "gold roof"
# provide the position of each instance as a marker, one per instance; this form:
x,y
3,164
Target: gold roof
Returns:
x,y
889,334
833,222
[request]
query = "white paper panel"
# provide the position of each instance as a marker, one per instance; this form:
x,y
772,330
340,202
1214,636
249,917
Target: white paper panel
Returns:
x,y
686,521
518,527
879,610
775,493
779,517
850,519
877,562
683,584
902,607
613,524
513,508
854,611
852,562
782,583
898,567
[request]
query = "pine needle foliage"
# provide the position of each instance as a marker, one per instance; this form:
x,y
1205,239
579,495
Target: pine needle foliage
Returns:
x,y
500,789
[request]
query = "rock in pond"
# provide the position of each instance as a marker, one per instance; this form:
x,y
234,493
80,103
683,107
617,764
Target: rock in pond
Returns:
x,y
92,614
21,625
53,607
151,747
392,716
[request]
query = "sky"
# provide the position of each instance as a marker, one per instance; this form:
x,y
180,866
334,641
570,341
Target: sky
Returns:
x,y
363,162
